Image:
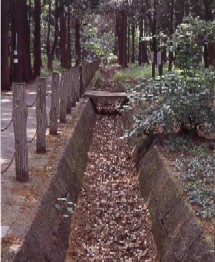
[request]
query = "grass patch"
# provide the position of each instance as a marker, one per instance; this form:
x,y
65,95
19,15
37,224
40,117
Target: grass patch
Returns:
x,y
134,74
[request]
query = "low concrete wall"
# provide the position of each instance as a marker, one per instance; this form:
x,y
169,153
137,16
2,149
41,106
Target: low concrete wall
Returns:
x,y
177,233
47,237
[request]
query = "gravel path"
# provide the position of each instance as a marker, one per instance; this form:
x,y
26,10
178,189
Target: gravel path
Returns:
x,y
111,222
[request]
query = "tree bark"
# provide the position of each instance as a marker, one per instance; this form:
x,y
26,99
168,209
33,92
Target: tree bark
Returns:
x,y
122,37
5,70
144,56
54,104
48,30
63,38
20,33
206,60
208,9
69,48
129,46
51,50
133,43
20,112
28,74
63,96
37,38
41,116
171,29
77,41
16,52
140,41
154,39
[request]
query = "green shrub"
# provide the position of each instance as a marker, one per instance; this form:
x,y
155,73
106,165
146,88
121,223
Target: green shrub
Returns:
x,y
172,103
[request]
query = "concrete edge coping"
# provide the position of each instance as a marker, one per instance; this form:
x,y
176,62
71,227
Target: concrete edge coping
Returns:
x,y
43,237
178,234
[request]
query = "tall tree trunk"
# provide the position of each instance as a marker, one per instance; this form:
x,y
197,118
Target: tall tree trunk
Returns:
x,y
69,49
206,60
26,38
5,70
51,50
144,55
133,42
122,37
208,9
37,38
154,39
171,29
20,32
77,41
118,32
115,51
63,38
140,41
48,30
129,37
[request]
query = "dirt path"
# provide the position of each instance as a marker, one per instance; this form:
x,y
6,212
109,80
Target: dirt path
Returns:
x,y
111,222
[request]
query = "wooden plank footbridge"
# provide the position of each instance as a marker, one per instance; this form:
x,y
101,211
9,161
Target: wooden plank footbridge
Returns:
x,y
95,96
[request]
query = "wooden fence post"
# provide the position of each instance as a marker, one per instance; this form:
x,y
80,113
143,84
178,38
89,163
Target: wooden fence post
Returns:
x,y
77,83
20,112
54,104
69,90
41,115
63,97
73,87
81,80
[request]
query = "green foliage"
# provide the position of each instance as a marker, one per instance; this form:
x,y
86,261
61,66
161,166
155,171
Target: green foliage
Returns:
x,y
180,100
188,41
97,36
172,102
196,170
134,75
65,207
99,81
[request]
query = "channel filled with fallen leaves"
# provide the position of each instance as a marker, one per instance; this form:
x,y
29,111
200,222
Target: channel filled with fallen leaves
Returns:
x,y
111,221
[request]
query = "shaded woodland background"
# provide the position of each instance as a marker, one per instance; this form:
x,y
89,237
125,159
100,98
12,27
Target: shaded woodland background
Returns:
x,y
38,34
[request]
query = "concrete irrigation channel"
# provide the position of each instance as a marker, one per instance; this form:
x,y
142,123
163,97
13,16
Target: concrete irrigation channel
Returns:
x,y
87,203
110,220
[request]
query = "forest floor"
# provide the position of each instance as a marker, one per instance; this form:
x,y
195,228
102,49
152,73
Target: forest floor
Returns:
x,y
111,220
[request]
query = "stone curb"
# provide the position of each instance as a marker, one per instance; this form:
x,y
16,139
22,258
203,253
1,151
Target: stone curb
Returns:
x,y
179,236
47,237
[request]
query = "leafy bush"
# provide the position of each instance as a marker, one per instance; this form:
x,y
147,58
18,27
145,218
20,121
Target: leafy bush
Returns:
x,y
134,75
188,41
172,103
112,59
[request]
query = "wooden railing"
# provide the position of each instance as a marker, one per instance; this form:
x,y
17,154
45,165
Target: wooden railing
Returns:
x,y
65,92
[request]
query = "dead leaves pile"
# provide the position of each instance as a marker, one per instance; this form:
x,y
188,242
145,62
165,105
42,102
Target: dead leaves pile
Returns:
x,y
111,222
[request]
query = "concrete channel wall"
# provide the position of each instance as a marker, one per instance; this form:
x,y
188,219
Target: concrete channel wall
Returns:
x,y
47,237
178,234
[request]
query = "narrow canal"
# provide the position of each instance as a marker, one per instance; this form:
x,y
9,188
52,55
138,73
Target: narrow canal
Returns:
x,y
111,222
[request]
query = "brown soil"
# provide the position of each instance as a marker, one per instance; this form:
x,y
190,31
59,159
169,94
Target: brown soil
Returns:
x,y
111,221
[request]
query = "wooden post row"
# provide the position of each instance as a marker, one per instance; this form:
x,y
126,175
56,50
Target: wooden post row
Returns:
x,y
54,105
63,96
73,93
78,83
20,113
81,79
41,115
69,95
